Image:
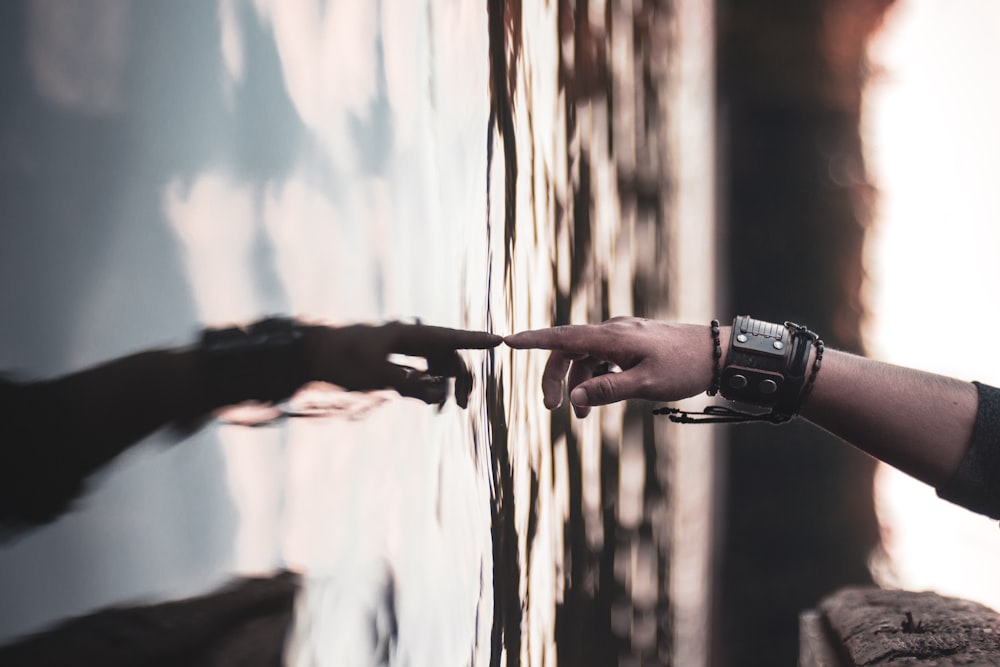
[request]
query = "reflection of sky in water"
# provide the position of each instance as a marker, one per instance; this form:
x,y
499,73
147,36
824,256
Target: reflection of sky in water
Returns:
x,y
184,163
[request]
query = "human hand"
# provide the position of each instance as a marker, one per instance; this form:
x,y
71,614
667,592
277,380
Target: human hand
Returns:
x,y
356,358
658,361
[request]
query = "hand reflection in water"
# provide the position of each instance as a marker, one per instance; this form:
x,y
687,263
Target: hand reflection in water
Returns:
x,y
60,431
357,358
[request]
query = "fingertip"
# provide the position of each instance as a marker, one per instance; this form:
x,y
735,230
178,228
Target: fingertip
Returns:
x,y
530,339
492,340
551,402
513,340
481,340
578,397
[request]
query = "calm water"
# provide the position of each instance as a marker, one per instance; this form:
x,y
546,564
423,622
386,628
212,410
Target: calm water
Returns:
x,y
504,166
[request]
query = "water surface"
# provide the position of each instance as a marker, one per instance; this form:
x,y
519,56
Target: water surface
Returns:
x,y
497,167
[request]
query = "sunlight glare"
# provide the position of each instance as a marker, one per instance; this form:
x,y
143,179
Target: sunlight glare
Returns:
x,y
933,149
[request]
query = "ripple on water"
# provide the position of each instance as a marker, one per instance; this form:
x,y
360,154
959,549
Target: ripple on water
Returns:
x,y
580,516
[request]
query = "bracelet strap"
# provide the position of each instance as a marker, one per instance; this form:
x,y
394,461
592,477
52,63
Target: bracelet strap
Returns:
x,y
796,372
720,414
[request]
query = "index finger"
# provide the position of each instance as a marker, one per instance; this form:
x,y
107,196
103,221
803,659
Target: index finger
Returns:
x,y
421,340
589,339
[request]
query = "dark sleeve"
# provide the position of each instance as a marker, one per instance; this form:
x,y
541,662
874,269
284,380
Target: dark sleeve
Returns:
x,y
39,476
55,433
976,484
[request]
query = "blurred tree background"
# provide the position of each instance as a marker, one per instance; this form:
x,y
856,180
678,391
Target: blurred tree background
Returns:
x,y
797,514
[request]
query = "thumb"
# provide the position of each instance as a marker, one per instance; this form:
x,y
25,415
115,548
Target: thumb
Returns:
x,y
608,388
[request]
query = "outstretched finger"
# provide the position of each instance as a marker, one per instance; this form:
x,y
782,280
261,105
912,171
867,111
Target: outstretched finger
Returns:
x,y
583,339
422,340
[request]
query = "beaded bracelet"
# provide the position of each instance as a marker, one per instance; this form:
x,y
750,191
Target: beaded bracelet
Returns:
x,y
815,371
717,360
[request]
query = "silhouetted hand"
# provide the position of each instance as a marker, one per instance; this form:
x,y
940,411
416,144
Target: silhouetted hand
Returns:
x,y
357,358
103,410
657,361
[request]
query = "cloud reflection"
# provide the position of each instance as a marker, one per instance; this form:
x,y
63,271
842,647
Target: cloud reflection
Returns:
x,y
328,57
214,219
369,222
78,52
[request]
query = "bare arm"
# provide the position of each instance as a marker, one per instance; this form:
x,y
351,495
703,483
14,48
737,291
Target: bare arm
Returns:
x,y
918,422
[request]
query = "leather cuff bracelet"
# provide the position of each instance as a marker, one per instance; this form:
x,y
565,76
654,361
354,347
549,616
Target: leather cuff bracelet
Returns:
x,y
767,366
797,376
755,367
263,361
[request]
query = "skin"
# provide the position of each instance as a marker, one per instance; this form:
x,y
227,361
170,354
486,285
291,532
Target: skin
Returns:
x,y
918,422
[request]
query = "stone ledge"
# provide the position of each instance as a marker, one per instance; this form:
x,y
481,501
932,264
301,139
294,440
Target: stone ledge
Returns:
x,y
871,626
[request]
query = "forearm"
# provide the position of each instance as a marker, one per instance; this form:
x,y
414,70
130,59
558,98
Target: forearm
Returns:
x,y
918,422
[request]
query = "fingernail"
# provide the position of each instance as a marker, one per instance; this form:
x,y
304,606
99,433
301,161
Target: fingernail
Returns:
x,y
579,396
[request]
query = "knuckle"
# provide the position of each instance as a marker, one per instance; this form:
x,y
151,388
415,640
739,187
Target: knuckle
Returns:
x,y
646,387
626,323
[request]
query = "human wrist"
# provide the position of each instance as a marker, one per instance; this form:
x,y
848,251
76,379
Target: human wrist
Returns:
x,y
264,361
771,365
700,361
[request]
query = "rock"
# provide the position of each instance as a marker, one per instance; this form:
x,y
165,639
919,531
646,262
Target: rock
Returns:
x,y
871,626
